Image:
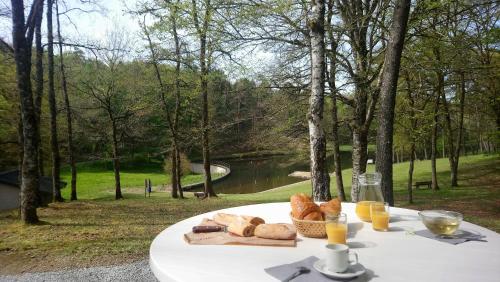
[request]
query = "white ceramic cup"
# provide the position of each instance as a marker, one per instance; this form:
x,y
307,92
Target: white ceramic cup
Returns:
x,y
337,257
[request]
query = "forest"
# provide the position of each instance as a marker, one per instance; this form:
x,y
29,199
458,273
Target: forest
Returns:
x,y
182,89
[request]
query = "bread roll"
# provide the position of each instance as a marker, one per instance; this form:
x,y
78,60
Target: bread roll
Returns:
x,y
241,228
226,219
277,231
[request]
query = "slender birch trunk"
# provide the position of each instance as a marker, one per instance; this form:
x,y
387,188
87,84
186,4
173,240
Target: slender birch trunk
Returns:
x,y
319,174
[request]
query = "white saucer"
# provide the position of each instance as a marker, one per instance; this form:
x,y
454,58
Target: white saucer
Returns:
x,y
351,272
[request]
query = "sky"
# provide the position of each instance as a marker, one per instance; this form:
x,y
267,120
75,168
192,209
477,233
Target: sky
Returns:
x,y
92,25
95,24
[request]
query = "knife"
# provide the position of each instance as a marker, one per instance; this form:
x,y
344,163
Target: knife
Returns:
x,y
207,229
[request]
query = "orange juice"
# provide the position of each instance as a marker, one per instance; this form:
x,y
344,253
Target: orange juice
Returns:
x,y
336,232
363,210
380,220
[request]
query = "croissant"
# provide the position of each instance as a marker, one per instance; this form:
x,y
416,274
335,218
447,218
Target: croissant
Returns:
x,y
304,208
314,216
331,207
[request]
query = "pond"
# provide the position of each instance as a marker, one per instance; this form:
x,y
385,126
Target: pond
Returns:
x,y
255,175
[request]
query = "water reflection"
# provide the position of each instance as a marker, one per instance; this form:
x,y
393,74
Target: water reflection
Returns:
x,y
254,175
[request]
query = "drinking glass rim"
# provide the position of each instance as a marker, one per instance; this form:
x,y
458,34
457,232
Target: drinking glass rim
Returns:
x,y
332,217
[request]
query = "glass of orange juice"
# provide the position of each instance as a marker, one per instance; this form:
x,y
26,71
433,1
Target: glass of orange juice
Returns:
x,y
336,228
380,216
363,210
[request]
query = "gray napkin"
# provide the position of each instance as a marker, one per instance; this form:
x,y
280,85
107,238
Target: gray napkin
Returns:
x,y
281,272
462,237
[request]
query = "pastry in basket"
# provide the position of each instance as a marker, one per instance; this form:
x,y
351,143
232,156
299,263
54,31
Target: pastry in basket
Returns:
x,y
226,219
304,208
331,207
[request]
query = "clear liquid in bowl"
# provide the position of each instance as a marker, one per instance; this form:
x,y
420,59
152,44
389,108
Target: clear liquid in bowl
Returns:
x,y
442,225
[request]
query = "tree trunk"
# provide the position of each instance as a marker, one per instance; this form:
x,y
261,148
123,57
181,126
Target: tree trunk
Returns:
x,y
116,161
410,172
173,172
54,144
359,158
209,191
177,84
412,133
336,151
69,120
388,97
22,55
435,185
450,139
39,86
179,183
454,176
319,174
335,124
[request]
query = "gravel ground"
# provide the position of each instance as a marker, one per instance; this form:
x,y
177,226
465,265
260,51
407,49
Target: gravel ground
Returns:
x,y
137,271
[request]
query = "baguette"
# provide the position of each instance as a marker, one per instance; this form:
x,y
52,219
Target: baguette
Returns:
x,y
277,231
241,228
226,219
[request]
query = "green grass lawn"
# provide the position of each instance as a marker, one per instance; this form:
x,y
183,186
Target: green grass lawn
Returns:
x,y
96,180
108,231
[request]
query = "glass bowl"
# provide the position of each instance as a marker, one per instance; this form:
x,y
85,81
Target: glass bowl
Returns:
x,y
441,222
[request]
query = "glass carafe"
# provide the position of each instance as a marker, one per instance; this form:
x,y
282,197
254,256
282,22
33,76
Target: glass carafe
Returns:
x,y
369,192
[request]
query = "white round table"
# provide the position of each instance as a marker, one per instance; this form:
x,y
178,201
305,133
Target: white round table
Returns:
x,y
396,255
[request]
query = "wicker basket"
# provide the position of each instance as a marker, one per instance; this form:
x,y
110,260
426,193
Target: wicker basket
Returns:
x,y
309,228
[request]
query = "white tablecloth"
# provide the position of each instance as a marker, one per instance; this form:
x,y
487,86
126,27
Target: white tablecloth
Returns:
x,y
397,255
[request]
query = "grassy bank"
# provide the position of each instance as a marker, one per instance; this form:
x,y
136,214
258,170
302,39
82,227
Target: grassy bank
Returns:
x,y
105,232
96,180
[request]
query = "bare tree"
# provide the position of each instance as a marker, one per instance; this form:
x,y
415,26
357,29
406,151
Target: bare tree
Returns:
x,y
388,89
364,24
39,82
22,37
172,116
332,56
69,120
201,23
435,126
106,84
54,143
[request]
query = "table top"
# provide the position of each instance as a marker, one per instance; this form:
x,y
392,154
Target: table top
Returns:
x,y
396,255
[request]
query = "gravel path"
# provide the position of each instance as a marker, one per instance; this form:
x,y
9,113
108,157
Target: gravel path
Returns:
x,y
137,271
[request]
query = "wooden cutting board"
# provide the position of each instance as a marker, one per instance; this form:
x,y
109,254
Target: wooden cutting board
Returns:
x,y
226,238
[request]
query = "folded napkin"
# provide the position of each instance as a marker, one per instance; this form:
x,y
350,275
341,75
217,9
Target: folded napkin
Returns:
x,y
281,272
462,237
